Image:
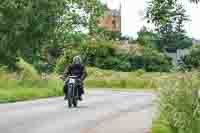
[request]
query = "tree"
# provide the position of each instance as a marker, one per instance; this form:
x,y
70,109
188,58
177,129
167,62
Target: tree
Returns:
x,y
79,16
195,1
192,59
29,25
168,16
147,38
26,24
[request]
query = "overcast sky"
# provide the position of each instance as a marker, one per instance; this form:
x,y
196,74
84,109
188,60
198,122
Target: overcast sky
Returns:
x,y
133,16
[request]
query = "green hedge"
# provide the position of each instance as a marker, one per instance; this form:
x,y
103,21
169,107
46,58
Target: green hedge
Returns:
x,y
192,60
103,54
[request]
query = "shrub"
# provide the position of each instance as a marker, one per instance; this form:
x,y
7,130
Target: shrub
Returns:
x,y
140,72
110,35
150,60
3,72
27,71
192,60
107,63
147,38
114,62
90,51
183,42
102,54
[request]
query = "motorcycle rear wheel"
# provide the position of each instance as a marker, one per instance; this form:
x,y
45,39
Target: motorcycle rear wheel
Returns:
x,y
69,102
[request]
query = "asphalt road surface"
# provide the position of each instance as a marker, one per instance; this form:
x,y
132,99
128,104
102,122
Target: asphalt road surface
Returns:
x,y
100,112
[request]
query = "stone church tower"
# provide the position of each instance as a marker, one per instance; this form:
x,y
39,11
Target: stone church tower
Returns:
x,y
111,20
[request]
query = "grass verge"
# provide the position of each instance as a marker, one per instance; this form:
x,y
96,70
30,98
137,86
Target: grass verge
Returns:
x,y
15,87
179,105
111,79
20,90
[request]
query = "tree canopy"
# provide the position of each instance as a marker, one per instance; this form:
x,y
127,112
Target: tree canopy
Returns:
x,y
34,23
169,17
195,1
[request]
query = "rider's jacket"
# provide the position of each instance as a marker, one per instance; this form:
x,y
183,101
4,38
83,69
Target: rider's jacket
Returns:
x,y
77,70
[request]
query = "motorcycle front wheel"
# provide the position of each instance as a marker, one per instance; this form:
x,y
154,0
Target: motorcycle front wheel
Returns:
x,y
75,101
70,96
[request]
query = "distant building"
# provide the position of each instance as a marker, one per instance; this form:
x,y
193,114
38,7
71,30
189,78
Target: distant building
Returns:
x,y
111,20
176,54
196,41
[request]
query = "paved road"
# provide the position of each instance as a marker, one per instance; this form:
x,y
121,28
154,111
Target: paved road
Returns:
x,y
100,112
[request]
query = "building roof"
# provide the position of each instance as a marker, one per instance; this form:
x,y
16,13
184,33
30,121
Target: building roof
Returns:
x,y
114,12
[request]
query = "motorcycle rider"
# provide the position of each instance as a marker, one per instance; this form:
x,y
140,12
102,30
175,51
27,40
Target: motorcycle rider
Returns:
x,y
78,69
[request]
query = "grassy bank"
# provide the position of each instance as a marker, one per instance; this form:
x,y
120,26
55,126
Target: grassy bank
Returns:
x,y
18,90
111,79
179,105
17,87
27,84
160,127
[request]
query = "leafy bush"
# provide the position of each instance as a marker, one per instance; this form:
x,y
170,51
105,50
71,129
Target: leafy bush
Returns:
x,y
90,51
114,62
147,38
183,42
27,71
103,54
110,35
3,72
139,72
150,60
192,60
179,105
31,25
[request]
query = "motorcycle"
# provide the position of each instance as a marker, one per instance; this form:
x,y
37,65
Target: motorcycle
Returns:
x,y
72,92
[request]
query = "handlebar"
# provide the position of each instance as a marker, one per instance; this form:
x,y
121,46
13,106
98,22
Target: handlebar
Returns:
x,y
73,76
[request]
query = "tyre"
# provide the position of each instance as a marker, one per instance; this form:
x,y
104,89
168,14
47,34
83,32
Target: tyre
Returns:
x,y
70,97
69,102
75,102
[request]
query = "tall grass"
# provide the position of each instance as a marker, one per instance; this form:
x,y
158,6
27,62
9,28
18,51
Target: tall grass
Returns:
x,y
179,106
27,71
27,84
112,79
18,90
